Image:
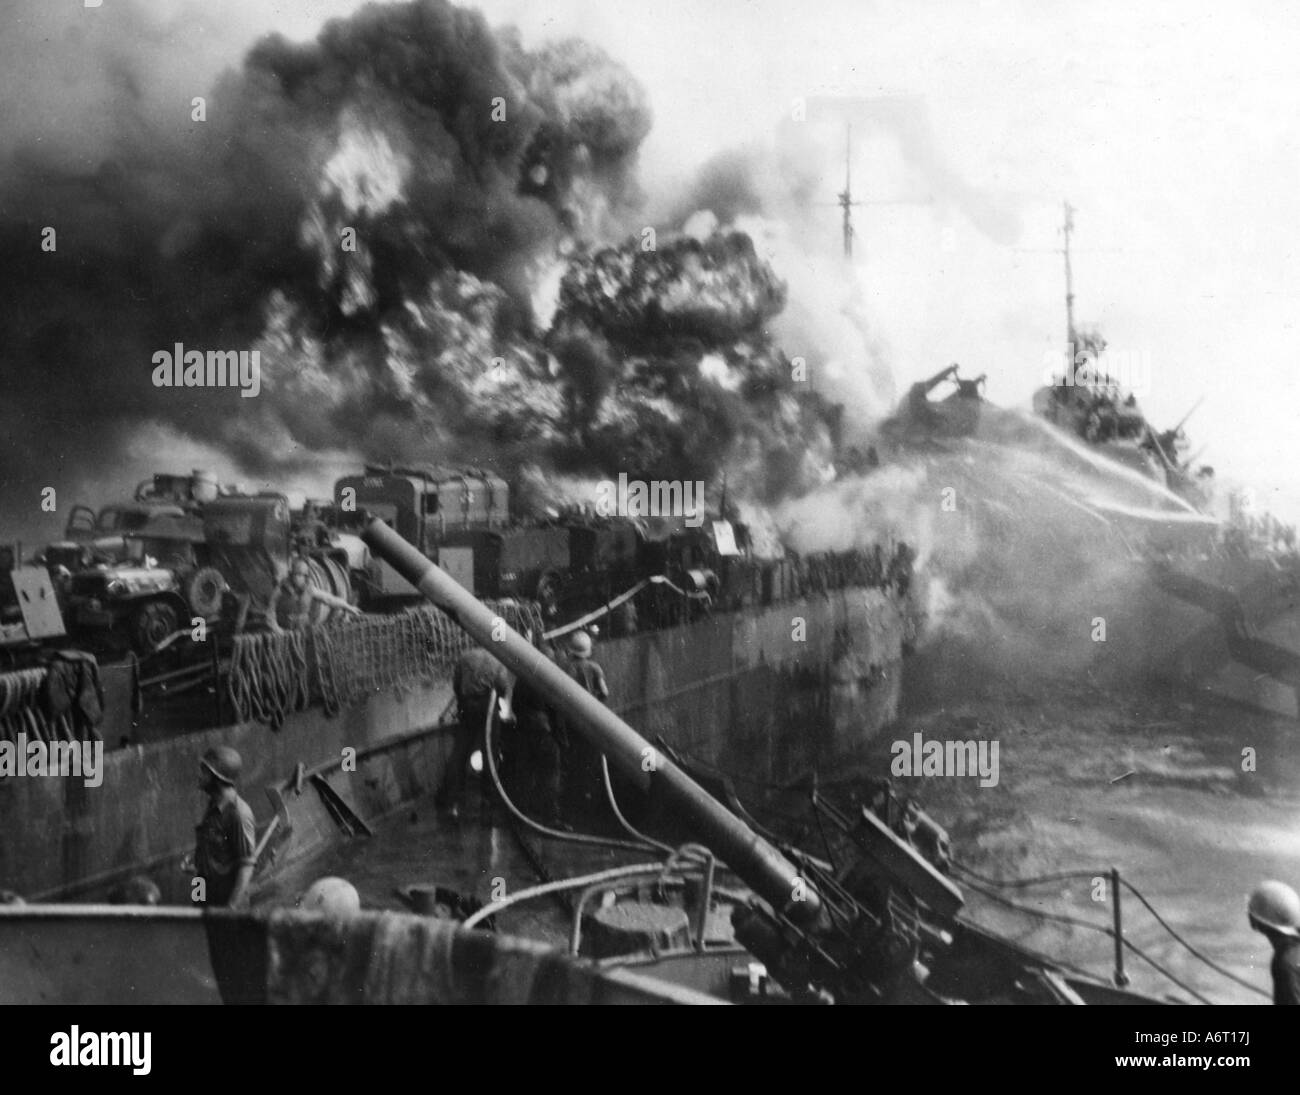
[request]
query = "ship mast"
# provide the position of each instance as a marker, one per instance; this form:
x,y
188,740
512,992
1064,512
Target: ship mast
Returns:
x,y
845,197
1069,280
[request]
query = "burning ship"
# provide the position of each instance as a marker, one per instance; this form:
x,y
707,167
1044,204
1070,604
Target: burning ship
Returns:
x,y
885,929
1085,526
446,291
440,282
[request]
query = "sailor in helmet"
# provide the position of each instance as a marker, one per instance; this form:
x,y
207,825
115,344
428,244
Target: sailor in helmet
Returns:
x,y
582,775
1274,911
225,840
583,669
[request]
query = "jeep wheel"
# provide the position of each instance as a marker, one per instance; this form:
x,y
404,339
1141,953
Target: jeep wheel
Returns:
x,y
150,624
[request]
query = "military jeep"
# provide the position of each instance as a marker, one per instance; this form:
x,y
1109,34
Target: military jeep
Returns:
x,y
157,586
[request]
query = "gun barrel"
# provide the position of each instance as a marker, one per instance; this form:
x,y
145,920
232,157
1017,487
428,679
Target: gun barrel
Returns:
x,y
761,866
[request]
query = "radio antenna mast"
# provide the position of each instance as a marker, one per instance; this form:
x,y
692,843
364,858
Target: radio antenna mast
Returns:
x,y
1069,277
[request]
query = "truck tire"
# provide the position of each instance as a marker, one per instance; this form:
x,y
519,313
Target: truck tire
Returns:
x,y
318,576
331,576
204,590
152,622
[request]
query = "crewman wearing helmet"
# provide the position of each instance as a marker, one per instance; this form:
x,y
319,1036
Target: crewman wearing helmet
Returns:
x,y
1274,910
336,898
477,675
536,750
225,840
582,778
582,669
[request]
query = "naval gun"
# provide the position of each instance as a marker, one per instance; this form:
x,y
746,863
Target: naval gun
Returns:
x,y
778,881
823,938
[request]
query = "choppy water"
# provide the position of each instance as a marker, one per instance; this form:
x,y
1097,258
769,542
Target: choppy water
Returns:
x,y
1152,786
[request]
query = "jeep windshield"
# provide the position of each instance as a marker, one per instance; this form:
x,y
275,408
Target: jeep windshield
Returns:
x,y
157,551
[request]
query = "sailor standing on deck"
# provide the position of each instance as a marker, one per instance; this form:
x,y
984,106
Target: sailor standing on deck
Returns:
x,y
583,670
538,742
225,840
582,774
477,675
1274,910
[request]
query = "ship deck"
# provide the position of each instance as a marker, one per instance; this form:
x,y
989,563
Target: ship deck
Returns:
x,y
482,853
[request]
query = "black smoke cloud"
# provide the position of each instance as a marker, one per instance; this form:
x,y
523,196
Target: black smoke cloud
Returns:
x,y
786,187
223,233
466,170
671,353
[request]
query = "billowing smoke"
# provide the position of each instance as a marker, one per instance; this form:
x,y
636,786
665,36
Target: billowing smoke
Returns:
x,y
1034,552
774,192
1031,547
428,233
782,192
676,373
435,240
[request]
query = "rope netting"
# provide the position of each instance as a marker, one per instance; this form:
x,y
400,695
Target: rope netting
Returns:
x,y
341,664
23,710
20,711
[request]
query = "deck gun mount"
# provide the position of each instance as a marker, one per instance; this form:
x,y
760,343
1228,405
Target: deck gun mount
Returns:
x,y
848,939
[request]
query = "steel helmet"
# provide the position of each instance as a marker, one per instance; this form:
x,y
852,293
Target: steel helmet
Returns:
x,y
580,645
224,763
1276,906
136,890
332,896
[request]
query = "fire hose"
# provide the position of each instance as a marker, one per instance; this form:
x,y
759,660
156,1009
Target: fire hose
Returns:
x,y
771,874
621,599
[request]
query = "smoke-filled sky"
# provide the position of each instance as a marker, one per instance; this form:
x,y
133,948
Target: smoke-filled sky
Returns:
x,y
1171,127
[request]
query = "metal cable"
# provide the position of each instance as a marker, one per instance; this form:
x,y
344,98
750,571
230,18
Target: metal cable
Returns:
x,y
1068,875
1064,876
1209,962
1020,883
1088,926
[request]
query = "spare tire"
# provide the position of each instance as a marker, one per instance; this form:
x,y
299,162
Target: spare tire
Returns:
x,y
204,590
318,576
332,577
150,624
340,581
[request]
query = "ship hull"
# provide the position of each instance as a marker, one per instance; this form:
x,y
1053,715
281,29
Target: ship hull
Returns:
x,y
1221,632
769,693
101,955
1237,632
